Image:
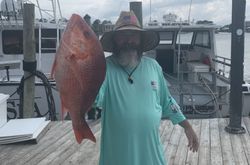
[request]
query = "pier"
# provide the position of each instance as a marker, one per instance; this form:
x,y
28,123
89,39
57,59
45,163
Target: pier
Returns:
x,y
59,146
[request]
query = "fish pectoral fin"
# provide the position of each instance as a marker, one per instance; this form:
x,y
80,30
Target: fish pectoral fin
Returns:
x,y
83,132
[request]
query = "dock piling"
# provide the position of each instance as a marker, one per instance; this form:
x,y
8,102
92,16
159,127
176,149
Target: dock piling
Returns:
x,y
237,60
29,62
136,7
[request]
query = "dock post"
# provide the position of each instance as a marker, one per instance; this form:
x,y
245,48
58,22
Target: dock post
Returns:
x,y
237,60
136,7
29,62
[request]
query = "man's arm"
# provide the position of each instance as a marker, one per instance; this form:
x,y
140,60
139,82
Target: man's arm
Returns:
x,y
193,142
172,110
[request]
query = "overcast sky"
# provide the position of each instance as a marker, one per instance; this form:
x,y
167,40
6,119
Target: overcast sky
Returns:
x,y
218,11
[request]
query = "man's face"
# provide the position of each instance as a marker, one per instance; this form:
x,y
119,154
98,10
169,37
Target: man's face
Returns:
x,y
127,46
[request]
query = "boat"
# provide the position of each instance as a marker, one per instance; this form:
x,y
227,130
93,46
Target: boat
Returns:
x,y
169,19
197,77
47,36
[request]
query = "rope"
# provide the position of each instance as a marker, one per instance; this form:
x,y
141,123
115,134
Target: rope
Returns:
x,y
48,91
214,100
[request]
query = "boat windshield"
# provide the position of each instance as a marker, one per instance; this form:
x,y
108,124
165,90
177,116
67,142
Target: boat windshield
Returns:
x,y
166,37
184,38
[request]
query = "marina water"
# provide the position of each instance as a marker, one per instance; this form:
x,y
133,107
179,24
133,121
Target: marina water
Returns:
x,y
223,46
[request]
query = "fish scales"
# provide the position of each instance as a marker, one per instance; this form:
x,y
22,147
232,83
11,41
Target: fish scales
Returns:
x,y
79,71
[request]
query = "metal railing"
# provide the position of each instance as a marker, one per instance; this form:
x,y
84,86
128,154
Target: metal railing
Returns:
x,y
185,90
223,66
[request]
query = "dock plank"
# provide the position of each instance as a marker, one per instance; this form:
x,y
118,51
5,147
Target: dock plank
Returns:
x,y
53,149
87,153
245,140
204,151
166,132
216,156
181,153
226,146
171,147
192,158
162,127
247,123
62,156
22,150
238,152
58,146
46,147
94,159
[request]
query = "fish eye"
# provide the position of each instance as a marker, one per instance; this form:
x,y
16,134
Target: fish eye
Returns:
x,y
87,34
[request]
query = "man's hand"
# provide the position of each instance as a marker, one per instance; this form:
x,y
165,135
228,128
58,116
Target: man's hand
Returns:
x,y
193,143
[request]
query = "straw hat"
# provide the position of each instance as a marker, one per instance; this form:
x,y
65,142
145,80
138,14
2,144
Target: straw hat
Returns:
x,y
127,21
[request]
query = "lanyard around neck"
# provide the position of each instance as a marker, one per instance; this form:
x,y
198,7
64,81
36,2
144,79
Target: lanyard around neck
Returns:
x,y
130,74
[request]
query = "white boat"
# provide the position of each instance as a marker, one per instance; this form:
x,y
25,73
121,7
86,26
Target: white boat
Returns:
x,y
47,36
169,19
197,77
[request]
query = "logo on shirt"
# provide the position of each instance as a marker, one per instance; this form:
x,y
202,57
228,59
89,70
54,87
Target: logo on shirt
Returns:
x,y
173,105
154,85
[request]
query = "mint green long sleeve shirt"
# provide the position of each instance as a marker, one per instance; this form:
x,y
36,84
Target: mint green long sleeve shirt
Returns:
x,y
132,113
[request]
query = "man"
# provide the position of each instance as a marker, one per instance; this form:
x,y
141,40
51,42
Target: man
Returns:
x,y
134,97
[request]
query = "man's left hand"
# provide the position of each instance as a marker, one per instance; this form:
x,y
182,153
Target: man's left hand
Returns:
x,y
193,143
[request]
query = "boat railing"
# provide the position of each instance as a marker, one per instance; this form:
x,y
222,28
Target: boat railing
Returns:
x,y
195,77
223,66
186,89
7,65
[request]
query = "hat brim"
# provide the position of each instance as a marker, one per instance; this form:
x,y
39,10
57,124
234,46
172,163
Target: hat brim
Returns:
x,y
149,39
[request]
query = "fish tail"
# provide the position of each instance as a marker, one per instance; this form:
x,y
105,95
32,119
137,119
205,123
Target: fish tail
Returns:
x,y
84,132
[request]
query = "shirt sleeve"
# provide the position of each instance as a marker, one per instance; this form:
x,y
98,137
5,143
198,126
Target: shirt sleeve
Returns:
x,y
170,108
100,96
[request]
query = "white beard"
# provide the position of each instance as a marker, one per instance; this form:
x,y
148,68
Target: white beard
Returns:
x,y
128,58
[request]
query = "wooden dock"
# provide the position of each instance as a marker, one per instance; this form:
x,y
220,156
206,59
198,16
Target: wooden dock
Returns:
x,y
58,146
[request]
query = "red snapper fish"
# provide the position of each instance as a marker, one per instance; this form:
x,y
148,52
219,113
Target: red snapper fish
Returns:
x,y
79,70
